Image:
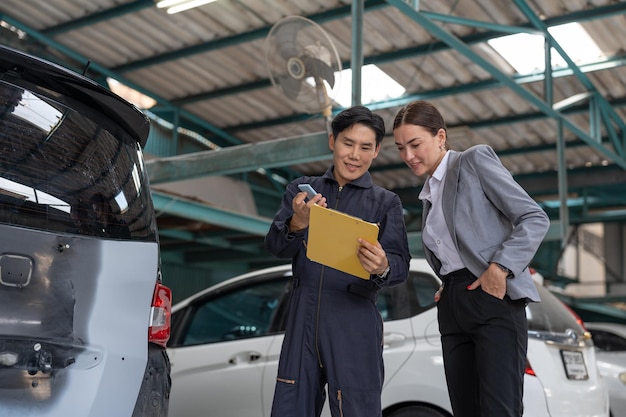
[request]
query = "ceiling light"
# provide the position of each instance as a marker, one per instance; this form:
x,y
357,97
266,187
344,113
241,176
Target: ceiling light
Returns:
x,y
175,6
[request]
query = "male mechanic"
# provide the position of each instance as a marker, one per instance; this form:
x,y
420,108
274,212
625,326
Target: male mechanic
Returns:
x,y
334,333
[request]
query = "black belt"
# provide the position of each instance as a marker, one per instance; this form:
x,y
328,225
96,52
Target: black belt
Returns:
x,y
458,276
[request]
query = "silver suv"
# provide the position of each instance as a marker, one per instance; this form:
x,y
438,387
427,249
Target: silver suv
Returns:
x,y
84,318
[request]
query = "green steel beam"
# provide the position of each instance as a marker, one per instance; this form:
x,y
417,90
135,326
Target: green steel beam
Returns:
x,y
479,24
241,158
198,238
193,210
507,81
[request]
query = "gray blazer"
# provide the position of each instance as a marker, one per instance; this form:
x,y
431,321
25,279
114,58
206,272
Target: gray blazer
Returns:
x,y
491,218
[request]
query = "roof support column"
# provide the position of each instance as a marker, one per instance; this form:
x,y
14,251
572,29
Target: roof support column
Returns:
x,y
357,50
562,180
548,91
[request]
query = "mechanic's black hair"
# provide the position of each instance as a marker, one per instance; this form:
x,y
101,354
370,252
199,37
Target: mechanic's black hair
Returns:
x,y
359,114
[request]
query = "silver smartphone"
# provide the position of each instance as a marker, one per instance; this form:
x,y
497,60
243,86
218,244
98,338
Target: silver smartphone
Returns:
x,y
309,190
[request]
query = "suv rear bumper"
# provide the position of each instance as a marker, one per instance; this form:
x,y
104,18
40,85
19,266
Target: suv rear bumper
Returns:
x,y
154,394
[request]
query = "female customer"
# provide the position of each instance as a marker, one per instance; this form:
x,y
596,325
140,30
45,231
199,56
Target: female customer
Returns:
x,y
480,231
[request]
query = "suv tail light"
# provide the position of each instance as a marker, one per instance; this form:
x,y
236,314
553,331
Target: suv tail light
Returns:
x,y
528,370
159,331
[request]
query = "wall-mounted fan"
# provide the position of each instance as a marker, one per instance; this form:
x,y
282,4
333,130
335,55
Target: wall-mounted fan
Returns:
x,y
302,62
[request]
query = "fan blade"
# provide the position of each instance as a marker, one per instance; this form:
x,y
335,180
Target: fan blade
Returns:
x,y
290,86
286,38
319,69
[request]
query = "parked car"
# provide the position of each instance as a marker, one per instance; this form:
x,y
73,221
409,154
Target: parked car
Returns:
x,y
84,317
226,342
610,342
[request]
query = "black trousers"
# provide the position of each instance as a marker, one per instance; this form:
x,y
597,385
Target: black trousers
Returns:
x,y
484,342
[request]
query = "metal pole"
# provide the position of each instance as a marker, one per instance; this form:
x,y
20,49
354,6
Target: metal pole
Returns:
x,y
357,49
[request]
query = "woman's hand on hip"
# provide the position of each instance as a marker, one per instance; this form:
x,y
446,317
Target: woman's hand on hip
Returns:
x,y
492,281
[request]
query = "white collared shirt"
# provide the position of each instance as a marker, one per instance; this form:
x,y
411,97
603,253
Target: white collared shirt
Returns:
x,y
436,235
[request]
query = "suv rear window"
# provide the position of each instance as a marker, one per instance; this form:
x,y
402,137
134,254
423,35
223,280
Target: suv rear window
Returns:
x,y
63,172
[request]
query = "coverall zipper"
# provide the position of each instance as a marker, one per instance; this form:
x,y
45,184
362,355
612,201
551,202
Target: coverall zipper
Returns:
x,y
317,319
319,299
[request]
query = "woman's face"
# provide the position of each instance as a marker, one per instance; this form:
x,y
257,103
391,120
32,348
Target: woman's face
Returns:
x,y
419,149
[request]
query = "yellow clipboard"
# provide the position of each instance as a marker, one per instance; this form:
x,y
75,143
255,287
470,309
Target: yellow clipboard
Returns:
x,y
333,239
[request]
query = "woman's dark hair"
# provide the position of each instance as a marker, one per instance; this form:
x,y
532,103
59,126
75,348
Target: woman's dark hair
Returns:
x,y
358,114
420,113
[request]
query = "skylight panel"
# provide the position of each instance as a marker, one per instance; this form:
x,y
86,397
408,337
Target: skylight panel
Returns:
x,y
376,85
525,52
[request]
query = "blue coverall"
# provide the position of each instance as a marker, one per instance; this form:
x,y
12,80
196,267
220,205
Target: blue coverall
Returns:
x,y
334,332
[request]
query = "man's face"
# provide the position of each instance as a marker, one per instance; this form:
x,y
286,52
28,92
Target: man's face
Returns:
x,y
354,149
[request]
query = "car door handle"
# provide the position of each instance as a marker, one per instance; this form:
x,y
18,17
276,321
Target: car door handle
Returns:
x,y
393,339
248,357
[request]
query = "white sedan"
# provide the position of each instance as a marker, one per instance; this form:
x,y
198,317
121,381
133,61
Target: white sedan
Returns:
x,y
226,341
